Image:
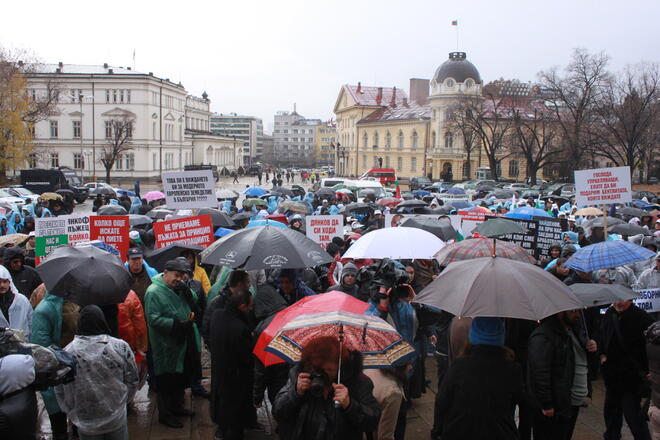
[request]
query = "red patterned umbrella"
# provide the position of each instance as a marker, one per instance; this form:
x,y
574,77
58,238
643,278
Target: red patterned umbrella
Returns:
x,y
326,302
481,247
380,344
389,201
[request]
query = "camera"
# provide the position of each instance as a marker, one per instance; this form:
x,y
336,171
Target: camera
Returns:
x,y
384,274
318,381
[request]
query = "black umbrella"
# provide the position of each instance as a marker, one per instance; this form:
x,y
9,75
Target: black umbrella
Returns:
x,y
325,193
159,213
104,191
139,220
597,294
219,219
265,247
444,210
111,210
502,194
632,212
85,275
629,229
599,222
440,228
412,204
352,207
159,257
281,191
560,201
496,227
245,215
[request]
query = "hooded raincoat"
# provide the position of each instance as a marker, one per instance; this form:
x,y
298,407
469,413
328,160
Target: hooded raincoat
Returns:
x,y
20,310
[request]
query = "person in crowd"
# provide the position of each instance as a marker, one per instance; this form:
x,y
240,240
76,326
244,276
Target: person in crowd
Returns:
x,y
30,257
232,367
557,374
652,335
98,202
172,338
348,281
624,366
554,252
132,326
389,393
140,271
25,278
425,272
305,407
239,280
480,391
296,223
16,309
105,382
28,225
199,273
18,400
291,287
560,270
650,278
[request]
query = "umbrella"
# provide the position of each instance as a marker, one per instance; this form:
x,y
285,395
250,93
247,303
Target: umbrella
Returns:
x,y
294,206
498,287
629,229
221,232
281,191
266,247
389,201
265,222
496,227
138,220
597,294
328,302
632,212
249,203
226,194
245,215
359,207
526,213
440,228
325,193
607,255
380,344
455,191
298,188
111,210
459,204
396,243
482,247
219,219
153,195
443,210
13,239
64,191
66,273
502,194
589,211
344,191
421,193
123,192
51,196
412,204
279,218
600,222
159,213
159,257
254,191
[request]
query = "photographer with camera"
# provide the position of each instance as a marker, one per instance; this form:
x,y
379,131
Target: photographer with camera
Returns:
x,y
305,408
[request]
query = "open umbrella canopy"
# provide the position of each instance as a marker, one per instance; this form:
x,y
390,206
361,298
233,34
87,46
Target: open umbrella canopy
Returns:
x,y
453,190
526,213
600,222
112,210
298,188
629,229
344,191
412,204
249,203
279,218
597,294
421,193
159,257
294,206
138,220
389,201
254,191
221,232
496,227
502,194
219,219
362,207
124,192
482,247
632,212
380,344
266,247
589,211
245,215
607,255
85,275
281,191
325,193
328,302
459,204
440,228
51,196
498,287
265,222
396,243
159,213
226,194
153,195
12,239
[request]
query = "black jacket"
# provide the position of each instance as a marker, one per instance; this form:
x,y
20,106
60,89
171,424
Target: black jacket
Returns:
x,y
479,394
218,303
352,290
299,416
653,354
26,279
551,366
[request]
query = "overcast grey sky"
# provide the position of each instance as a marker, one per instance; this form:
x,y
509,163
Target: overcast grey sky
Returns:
x,y
257,57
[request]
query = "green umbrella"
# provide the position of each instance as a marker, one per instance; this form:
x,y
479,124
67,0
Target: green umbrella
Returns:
x,y
496,227
297,188
339,186
249,203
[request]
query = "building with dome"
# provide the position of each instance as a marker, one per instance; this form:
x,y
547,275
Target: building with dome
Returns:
x,y
383,127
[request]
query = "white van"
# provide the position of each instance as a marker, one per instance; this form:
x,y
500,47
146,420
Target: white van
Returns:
x,y
329,182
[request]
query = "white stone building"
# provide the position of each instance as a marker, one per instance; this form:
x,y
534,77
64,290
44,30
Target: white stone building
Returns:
x,y
170,127
294,140
249,129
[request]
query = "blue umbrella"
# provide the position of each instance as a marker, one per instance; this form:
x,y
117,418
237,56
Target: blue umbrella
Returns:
x,y
459,204
221,232
526,213
453,190
124,192
265,222
254,191
607,255
421,193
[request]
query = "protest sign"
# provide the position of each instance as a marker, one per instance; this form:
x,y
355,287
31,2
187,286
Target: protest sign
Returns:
x,y
323,228
527,240
112,230
190,189
548,232
50,230
602,186
649,300
50,226
46,243
190,230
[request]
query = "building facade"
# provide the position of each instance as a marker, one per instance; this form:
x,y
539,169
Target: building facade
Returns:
x,y
325,138
294,139
168,127
249,129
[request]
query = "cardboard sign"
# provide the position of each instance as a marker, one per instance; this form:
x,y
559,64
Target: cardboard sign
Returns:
x,y
602,186
527,240
649,300
190,230
548,232
50,226
74,227
190,189
323,228
112,230
44,245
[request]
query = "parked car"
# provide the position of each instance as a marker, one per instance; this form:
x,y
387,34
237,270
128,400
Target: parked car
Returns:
x,y
7,198
650,196
22,192
567,190
555,189
40,180
653,180
419,182
516,186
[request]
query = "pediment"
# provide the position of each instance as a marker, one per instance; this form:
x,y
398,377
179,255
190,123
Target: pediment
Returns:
x,y
76,114
118,113
169,117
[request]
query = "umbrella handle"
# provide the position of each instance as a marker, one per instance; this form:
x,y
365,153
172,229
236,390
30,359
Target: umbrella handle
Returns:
x,y
584,322
494,247
341,342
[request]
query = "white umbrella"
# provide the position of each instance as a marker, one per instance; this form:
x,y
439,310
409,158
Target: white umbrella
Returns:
x,y
396,243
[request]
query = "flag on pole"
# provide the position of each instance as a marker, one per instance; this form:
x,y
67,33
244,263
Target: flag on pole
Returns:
x,y
454,22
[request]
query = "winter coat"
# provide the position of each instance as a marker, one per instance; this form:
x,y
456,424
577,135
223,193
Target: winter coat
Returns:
x,y
218,303
389,394
200,275
231,368
142,280
649,279
132,326
353,290
106,381
297,416
163,307
653,355
479,394
26,279
401,315
20,315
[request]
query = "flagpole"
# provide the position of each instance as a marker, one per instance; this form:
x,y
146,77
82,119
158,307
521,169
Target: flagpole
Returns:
x,y
456,37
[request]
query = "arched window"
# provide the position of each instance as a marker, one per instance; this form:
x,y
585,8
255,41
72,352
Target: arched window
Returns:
x,y
433,140
400,140
376,140
365,141
466,169
513,168
388,141
414,140
449,140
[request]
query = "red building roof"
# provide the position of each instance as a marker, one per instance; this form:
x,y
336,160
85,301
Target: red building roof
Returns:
x,y
375,96
404,112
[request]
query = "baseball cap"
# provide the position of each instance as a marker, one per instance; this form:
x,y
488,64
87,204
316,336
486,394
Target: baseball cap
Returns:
x,y
378,212
32,234
134,253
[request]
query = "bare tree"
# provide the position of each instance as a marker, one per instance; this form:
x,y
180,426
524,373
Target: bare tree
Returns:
x,y
573,96
119,143
626,113
461,122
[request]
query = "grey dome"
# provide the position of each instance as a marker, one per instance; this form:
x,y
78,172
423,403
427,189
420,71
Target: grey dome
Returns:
x,y
458,68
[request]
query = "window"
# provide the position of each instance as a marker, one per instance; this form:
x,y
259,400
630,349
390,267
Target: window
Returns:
x,y
154,130
468,84
400,140
129,130
364,160
399,163
77,131
513,168
387,161
32,160
32,131
449,140
107,96
286,131
388,141
114,95
33,95
466,169
130,161
499,169
108,129
413,164
78,161
365,141
154,162
449,83
128,96
414,139
376,140
433,139
53,129
54,160
119,165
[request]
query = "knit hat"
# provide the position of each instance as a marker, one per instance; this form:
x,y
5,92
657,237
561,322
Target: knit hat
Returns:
x,y
348,269
568,250
487,331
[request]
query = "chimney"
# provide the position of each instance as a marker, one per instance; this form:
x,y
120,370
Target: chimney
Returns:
x,y
60,64
129,67
294,107
419,90
405,102
359,89
20,63
110,71
393,102
379,96
105,65
151,74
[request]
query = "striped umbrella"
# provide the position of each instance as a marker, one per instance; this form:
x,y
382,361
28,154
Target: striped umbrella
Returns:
x,y
481,247
607,255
